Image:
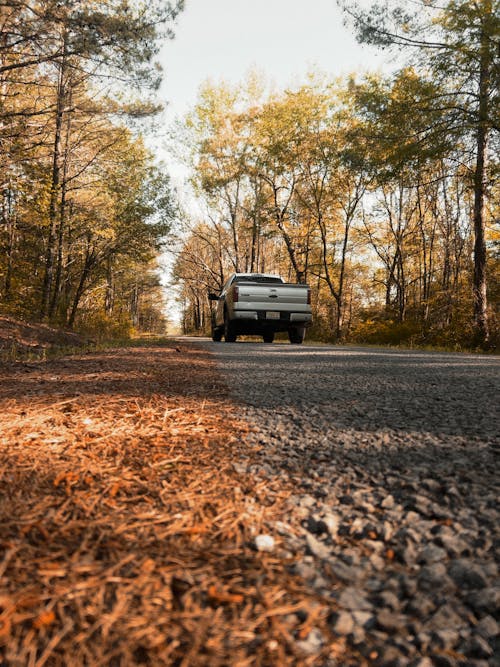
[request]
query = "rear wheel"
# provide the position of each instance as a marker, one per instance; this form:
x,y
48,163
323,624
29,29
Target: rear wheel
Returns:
x,y
229,332
296,335
268,336
217,335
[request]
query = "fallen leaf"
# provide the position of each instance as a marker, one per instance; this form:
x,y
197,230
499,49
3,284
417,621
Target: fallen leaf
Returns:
x,y
224,596
44,619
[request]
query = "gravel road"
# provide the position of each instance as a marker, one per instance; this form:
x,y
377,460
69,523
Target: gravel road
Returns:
x,y
394,518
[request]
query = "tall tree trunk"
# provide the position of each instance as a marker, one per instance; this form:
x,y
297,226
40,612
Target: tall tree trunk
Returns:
x,y
134,305
340,299
479,285
89,260
54,191
56,292
109,300
9,218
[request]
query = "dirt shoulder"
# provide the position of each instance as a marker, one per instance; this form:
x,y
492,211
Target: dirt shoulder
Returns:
x,y
127,536
20,339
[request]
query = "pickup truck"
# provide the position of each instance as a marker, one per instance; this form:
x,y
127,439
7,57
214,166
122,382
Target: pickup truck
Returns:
x,y
260,304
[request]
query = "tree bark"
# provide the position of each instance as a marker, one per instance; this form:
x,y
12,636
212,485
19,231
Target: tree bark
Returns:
x,y
54,193
479,284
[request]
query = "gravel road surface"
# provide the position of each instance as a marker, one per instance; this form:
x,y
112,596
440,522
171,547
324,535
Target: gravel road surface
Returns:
x,y
393,457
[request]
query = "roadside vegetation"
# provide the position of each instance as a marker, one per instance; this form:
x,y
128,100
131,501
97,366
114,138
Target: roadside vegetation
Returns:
x,y
84,208
379,191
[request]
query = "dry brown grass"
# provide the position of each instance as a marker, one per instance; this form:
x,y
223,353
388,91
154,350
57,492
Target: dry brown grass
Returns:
x,y
126,534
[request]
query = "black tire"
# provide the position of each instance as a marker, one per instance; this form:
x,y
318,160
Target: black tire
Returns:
x,y
296,335
217,335
229,332
268,337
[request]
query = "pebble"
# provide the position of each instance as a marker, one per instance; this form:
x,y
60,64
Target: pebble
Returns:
x,y
389,621
341,622
432,554
467,574
264,543
352,598
316,547
487,627
478,647
312,644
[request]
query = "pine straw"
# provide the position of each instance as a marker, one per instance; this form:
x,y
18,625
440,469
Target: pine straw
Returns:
x,y
126,532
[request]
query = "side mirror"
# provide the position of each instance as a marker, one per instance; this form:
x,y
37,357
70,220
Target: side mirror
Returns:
x,y
213,297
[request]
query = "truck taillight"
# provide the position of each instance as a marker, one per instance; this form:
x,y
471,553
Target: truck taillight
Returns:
x,y
236,294
309,297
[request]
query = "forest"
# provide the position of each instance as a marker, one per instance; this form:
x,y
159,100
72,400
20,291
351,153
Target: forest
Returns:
x,y
381,192
85,209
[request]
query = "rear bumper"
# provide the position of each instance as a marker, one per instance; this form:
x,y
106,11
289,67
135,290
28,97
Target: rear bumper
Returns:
x,y
256,321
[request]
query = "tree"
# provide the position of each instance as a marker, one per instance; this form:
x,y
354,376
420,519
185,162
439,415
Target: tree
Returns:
x,y
64,66
457,44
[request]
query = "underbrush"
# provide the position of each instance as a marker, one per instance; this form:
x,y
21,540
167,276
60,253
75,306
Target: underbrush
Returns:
x,y
412,335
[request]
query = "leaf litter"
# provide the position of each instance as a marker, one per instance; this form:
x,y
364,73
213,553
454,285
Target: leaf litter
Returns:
x,y
126,533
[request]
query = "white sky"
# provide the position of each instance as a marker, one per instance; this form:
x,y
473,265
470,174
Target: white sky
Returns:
x,y
224,39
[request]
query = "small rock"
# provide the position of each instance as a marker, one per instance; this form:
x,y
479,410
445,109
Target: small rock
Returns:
x,y
388,502
353,599
412,517
346,573
431,485
283,528
467,574
389,621
420,605
407,554
377,562
487,627
332,523
387,531
408,585
387,599
477,647
312,644
433,577
306,571
446,638
453,545
315,526
342,622
390,655
432,554
316,547
423,640
445,618
264,543
483,601
364,619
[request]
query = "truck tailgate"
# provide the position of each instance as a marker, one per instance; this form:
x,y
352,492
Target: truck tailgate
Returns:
x,y
286,296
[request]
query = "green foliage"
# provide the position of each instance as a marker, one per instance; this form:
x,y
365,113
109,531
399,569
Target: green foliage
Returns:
x,y
387,332
101,327
454,45
343,185
83,206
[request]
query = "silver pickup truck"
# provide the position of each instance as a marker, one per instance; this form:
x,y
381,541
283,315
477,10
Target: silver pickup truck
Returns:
x,y
260,304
